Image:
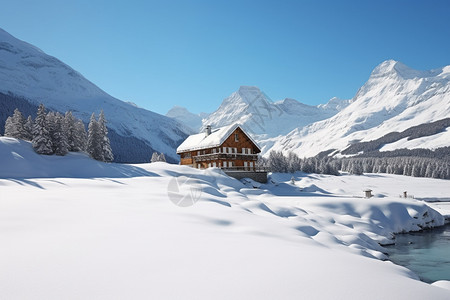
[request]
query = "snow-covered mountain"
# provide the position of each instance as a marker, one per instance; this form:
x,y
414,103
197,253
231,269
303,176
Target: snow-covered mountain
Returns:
x,y
28,72
182,115
254,110
394,98
267,120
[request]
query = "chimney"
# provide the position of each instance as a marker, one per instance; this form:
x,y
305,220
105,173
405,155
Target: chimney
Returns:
x,y
208,130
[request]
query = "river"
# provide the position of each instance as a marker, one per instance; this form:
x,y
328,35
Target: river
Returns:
x,y
426,253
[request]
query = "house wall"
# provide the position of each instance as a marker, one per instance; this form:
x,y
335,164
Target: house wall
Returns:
x,y
243,141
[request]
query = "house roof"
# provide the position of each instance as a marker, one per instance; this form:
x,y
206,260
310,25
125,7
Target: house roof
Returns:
x,y
214,139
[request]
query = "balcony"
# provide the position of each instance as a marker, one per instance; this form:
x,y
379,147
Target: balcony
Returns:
x,y
225,156
245,169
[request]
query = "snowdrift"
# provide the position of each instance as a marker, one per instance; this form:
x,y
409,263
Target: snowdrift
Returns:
x,y
18,160
124,237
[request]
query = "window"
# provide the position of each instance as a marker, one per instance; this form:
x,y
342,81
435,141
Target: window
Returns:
x,y
224,164
236,137
235,150
224,149
214,164
214,150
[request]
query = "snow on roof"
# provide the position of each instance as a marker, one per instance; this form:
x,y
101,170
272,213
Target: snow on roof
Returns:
x,y
214,139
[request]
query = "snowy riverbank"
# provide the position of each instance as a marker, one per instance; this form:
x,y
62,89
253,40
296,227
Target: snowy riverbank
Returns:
x,y
118,234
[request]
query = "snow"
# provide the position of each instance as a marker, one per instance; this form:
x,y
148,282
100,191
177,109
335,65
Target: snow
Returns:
x,y
117,234
182,115
394,98
28,72
428,142
214,139
442,283
266,120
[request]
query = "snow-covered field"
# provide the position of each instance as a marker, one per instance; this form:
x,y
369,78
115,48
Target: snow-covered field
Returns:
x,y
117,234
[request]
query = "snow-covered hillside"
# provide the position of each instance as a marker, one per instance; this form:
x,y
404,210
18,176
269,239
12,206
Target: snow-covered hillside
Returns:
x,y
267,120
113,232
394,98
28,72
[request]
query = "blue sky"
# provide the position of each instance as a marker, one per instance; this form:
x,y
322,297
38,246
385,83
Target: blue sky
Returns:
x,y
196,53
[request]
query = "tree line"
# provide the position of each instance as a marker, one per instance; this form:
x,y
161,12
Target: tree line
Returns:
x,y
54,133
416,166
411,133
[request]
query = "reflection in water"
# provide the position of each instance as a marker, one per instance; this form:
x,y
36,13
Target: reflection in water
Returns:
x,y
426,253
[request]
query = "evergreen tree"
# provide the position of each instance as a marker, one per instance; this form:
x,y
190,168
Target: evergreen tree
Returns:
x,y
415,171
357,168
294,162
9,128
162,157
105,144
42,142
69,129
94,144
80,137
14,126
28,126
58,134
155,157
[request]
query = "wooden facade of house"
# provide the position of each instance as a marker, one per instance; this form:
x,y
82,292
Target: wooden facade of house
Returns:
x,y
228,148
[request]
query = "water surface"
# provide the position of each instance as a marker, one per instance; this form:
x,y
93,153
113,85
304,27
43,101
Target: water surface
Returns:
x,y
426,253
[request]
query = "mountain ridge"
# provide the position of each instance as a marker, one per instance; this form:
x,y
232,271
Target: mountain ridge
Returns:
x,y
388,101
26,71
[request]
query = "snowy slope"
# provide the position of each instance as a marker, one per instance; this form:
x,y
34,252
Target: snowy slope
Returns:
x,y
432,142
28,72
119,236
182,115
267,120
393,99
18,160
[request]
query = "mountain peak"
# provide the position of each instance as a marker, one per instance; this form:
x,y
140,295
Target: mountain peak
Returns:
x,y
247,88
249,93
392,67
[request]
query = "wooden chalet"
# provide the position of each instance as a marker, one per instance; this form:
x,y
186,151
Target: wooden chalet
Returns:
x,y
229,148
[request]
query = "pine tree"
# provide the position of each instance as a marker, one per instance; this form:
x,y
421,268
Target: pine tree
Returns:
x,y
105,144
356,169
415,171
9,128
69,129
162,157
15,126
80,137
42,142
155,157
28,126
94,144
59,137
